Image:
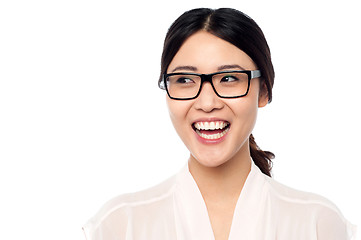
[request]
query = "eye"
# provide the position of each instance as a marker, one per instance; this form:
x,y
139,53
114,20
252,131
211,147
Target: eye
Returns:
x,y
184,80
229,78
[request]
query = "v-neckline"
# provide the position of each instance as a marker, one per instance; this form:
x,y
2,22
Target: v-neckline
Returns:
x,y
192,214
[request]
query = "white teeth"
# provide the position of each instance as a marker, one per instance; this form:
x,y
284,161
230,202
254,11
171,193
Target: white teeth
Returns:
x,y
210,125
214,125
212,136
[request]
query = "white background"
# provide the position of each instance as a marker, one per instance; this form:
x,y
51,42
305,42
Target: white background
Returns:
x,y
82,119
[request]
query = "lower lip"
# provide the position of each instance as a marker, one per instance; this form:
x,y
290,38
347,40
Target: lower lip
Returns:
x,y
211,141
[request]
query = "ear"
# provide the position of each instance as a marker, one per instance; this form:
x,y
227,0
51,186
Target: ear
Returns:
x,y
263,96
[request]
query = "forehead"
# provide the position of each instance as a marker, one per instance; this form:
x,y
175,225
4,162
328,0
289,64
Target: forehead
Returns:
x,y
207,52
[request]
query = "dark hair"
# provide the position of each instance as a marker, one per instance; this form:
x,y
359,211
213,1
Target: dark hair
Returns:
x,y
238,29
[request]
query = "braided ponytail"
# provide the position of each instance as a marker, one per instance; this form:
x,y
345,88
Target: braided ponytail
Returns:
x,y
261,158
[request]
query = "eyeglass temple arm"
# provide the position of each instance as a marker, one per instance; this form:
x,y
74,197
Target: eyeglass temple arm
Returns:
x,y
255,74
161,83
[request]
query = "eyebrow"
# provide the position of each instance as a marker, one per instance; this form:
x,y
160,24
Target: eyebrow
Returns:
x,y
189,68
220,68
233,66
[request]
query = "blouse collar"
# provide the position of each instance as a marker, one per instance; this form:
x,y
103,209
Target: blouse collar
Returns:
x,y
191,215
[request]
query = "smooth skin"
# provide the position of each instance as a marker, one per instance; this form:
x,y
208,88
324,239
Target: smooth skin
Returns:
x,y
220,169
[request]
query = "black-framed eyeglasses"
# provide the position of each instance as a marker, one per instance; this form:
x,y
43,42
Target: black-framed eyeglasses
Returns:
x,y
226,84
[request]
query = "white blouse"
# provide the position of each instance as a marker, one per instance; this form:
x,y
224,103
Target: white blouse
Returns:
x,y
175,209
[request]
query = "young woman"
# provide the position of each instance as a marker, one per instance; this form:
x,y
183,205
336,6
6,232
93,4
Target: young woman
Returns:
x,y
216,69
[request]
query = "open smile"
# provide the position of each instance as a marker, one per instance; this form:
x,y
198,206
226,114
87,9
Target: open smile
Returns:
x,y
211,130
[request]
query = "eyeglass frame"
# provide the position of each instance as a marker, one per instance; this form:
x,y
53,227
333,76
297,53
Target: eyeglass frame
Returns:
x,y
208,78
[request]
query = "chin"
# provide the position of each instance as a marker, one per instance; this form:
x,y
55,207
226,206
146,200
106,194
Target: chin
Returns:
x,y
209,161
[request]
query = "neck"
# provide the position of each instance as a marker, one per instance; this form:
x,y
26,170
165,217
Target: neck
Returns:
x,y
224,182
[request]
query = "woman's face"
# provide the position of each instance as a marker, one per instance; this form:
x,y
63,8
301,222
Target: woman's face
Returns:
x,y
232,119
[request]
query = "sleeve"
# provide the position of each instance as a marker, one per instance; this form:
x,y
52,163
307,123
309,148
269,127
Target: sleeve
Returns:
x,y
331,225
110,226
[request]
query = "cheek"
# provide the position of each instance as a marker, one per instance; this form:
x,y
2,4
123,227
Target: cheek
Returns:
x,y
247,113
250,116
178,111
246,110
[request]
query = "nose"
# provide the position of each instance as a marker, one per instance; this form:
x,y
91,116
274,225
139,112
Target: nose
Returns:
x,y
207,100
